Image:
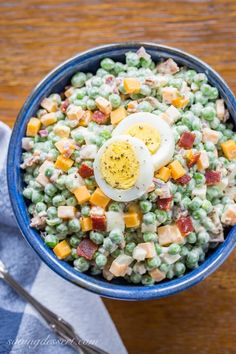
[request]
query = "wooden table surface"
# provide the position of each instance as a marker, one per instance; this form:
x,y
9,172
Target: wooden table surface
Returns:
x,y
36,35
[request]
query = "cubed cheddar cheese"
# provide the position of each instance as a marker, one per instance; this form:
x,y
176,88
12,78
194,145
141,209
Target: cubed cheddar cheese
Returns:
x,y
63,163
203,161
164,174
84,121
49,105
74,112
86,224
169,234
157,275
82,194
118,115
49,119
169,94
132,219
103,105
180,102
134,207
229,149
177,169
210,135
132,85
66,212
65,146
98,198
61,130
229,215
33,127
62,249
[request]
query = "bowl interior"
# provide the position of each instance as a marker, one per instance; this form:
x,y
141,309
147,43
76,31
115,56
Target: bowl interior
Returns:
x,y
55,82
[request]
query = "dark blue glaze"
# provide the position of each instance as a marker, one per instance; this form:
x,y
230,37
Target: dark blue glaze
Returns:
x,y
55,82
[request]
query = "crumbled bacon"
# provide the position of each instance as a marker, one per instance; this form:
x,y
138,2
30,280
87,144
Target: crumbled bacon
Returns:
x,y
212,177
193,159
183,180
87,249
186,140
99,117
65,105
98,222
164,203
85,171
185,225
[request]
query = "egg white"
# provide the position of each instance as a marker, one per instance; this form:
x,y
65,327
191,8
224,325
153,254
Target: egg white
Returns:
x,y
144,178
166,149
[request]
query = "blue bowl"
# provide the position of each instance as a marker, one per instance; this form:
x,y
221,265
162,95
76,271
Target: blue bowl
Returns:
x,y
55,81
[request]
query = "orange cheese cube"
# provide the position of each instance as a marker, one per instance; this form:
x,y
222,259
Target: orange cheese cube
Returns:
x,y
49,105
169,94
203,161
229,149
132,85
33,127
168,234
163,174
82,194
177,169
62,249
86,224
117,115
157,275
180,102
65,146
132,219
99,198
84,121
49,119
135,208
63,163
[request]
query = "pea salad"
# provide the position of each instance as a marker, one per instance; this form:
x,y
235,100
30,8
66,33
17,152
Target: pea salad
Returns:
x,y
130,172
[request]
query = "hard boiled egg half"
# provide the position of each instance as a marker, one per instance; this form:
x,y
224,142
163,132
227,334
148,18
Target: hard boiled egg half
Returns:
x,y
153,131
123,168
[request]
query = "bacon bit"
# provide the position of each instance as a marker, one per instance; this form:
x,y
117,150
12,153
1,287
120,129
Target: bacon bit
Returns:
x,y
98,222
186,140
212,177
109,80
99,117
185,225
164,203
43,133
183,180
85,171
193,159
87,249
65,105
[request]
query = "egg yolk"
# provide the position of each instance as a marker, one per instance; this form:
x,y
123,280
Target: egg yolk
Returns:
x,y
119,165
147,133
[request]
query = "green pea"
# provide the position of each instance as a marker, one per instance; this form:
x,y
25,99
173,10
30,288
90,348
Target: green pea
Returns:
x,y
191,238
116,236
195,203
105,134
96,237
147,280
119,67
174,248
150,237
39,207
132,59
58,200
47,199
158,249
85,210
50,189
161,216
149,218
62,229
203,238
170,274
129,248
192,257
107,64
153,262
115,100
179,269
101,260
186,202
72,201
74,241
207,206
27,192
214,93
208,113
197,109
74,225
144,107
145,90
81,264
145,206
51,241
91,104
184,251
36,197
164,267
78,80
200,98
135,278
108,244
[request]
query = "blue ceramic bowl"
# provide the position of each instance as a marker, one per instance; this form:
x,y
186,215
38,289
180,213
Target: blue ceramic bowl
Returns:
x,y
55,81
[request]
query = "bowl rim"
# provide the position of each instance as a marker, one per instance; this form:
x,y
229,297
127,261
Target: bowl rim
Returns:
x,y
91,283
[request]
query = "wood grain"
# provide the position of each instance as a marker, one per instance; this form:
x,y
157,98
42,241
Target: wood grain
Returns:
x,y
37,35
